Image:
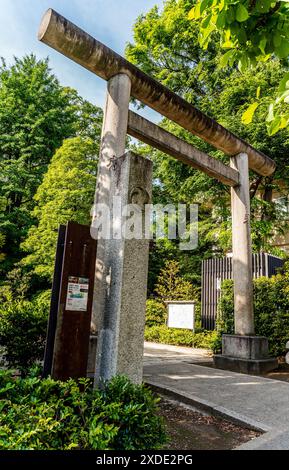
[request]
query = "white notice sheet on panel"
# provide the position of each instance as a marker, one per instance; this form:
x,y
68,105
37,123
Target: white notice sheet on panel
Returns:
x,y
181,315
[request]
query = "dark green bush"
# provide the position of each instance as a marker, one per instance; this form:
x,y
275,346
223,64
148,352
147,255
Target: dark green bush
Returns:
x,y
180,337
156,313
45,414
271,309
23,326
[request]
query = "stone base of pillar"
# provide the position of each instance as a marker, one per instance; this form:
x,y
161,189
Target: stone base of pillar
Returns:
x,y
245,354
245,366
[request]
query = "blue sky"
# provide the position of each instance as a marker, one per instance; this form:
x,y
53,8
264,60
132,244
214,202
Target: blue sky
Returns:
x,y
109,21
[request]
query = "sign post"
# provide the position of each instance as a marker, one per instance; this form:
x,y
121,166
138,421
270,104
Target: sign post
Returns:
x,y
52,321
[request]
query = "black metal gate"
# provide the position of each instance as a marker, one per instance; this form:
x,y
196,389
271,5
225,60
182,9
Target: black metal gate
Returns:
x,y
216,270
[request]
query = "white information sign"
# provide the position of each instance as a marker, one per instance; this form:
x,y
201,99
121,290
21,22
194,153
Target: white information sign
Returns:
x,y
77,294
181,315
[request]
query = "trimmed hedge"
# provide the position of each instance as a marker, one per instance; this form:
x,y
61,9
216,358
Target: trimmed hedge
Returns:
x,y
45,414
156,312
180,337
271,310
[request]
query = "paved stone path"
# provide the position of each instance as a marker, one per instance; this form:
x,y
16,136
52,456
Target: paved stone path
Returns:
x,y
256,401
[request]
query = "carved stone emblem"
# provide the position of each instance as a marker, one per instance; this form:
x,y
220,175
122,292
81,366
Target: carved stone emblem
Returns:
x,y
139,196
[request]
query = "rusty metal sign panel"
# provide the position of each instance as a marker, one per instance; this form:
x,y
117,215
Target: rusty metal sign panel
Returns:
x,y
69,332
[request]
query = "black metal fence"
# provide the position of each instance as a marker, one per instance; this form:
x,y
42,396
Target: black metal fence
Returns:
x,y
216,270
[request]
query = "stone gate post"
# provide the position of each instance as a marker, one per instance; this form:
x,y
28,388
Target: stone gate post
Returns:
x,y
243,352
122,264
242,249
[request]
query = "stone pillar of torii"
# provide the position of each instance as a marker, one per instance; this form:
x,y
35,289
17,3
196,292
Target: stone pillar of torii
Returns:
x,y
121,269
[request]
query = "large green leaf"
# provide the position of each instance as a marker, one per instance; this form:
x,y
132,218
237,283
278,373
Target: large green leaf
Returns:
x,y
225,59
283,50
270,116
241,13
274,126
284,84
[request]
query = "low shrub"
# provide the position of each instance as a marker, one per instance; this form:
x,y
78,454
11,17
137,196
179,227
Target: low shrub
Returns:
x,y
180,337
45,414
156,313
23,326
271,311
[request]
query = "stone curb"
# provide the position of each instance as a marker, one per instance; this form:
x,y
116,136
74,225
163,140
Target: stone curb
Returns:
x,y
276,439
209,407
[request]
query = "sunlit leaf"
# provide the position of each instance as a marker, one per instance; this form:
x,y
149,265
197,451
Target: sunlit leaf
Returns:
x,y
205,33
197,11
224,60
221,4
282,96
227,44
248,115
264,58
270,116
243,63
262,45
274,126
284,82
283,123
191,14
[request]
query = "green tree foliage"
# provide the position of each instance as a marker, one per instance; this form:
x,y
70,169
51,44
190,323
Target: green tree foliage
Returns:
x,y
36,114
23,326
53,415
171,286
166,46
268,218
162,251
250,31
66,194
2,241
19,284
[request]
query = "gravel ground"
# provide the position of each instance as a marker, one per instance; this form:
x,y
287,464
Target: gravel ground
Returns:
x,y
189,429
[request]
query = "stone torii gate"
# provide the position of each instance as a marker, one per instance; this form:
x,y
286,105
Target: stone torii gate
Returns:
x,y
121,271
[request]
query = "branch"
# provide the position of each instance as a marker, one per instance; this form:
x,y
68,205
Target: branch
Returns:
x,y
185,57
254,186
264,18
